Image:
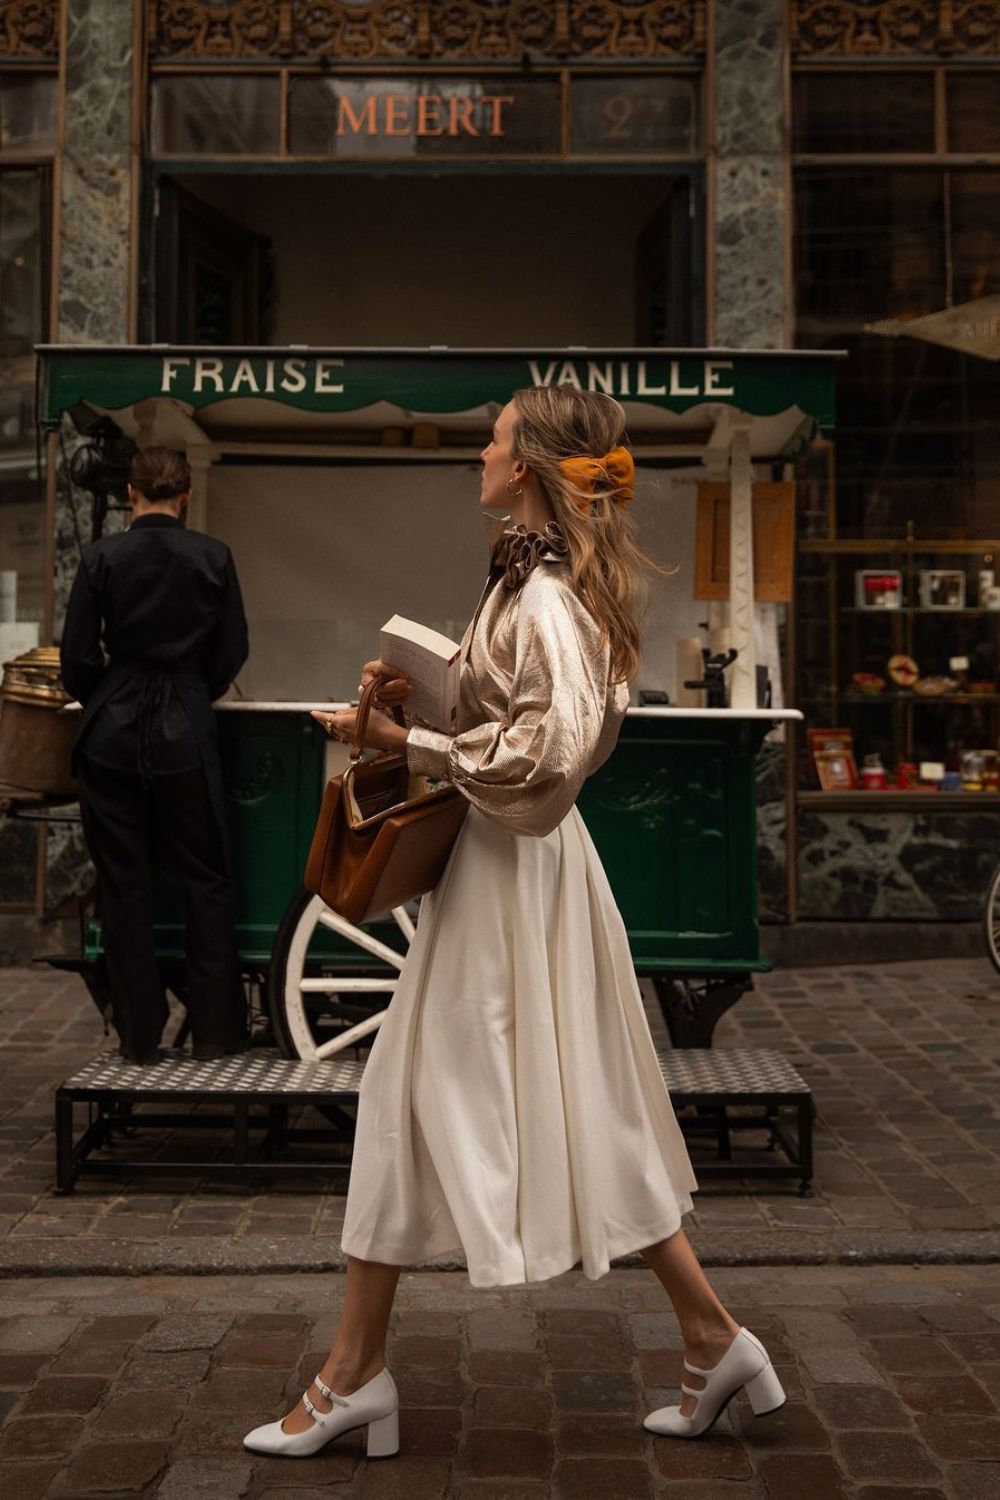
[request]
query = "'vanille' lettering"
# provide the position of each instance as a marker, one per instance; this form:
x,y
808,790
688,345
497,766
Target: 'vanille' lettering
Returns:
x,y
601,377
712,386
643,387
676,389
537,378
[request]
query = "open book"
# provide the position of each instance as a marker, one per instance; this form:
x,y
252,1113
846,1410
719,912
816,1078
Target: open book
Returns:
x,y
431,661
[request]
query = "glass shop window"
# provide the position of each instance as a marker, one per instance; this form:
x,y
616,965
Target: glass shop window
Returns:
x,y
974,239
916,426
869,243
872,112
27,115
216,116
23,322
973,112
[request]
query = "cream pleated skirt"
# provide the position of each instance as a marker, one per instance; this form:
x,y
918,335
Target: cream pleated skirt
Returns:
x,y
512,1107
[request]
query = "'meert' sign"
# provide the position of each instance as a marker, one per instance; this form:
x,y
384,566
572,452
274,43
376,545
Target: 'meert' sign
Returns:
x,y
407,117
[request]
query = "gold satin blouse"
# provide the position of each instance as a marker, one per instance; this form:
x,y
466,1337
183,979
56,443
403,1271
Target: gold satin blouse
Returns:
x,y
537,711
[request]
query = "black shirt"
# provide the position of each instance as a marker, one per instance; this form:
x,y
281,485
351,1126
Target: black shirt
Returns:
x,y
165,602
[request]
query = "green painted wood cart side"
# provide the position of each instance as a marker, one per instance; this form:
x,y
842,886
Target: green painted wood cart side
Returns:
x,y
672,814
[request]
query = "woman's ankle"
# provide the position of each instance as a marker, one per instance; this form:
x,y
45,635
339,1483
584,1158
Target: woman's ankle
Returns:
x,y
710,1333
348,1372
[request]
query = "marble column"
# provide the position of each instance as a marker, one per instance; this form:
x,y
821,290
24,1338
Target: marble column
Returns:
x,y
749,176
749,232
95,189
95,210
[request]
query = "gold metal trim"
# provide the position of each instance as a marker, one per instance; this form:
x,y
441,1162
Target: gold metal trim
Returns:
x,y
436,31
893,28
29,29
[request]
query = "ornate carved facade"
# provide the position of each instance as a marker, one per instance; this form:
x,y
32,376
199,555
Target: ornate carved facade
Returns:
x,y
894,28
29,30
443,31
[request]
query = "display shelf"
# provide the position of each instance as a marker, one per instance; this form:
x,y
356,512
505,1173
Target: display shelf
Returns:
x,y
913,609
895,699
831,546
919,698
893,800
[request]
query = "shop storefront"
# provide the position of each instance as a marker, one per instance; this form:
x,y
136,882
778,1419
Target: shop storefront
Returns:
x,y
619,174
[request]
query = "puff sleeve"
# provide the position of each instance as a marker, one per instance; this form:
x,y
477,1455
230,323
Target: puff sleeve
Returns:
x,y
526,770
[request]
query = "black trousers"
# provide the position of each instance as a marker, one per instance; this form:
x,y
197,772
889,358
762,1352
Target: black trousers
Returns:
x,y
126,824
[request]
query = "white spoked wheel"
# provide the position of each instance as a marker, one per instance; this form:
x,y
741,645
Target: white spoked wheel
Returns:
x,y
321,1005
991,919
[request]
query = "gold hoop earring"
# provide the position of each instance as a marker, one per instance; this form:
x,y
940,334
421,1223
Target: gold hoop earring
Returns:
x,y
518,491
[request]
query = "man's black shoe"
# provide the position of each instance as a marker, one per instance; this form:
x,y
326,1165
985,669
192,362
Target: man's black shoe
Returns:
x,y
212,1051
142,1059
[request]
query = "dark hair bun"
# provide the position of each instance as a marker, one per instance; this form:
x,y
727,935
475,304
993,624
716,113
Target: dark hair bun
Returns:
x,y
160,473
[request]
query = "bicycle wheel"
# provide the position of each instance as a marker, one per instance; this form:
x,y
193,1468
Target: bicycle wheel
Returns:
x,y
991,919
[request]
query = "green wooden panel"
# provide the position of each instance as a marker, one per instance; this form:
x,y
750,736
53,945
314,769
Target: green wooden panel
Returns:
x,y
672,815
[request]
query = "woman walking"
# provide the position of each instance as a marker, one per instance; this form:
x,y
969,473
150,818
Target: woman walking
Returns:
x,y
512,1105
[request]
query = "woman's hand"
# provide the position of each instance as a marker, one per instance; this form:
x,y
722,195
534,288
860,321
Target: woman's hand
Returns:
x,y
396,686
382,733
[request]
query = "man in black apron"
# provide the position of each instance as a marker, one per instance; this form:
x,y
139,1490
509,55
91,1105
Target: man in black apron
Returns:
x,y
165,603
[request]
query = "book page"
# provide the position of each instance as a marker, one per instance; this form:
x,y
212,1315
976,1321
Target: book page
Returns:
x,y
420,654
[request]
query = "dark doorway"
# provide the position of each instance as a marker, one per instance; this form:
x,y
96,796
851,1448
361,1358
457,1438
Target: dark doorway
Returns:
x,y
212,273
479,259
664,304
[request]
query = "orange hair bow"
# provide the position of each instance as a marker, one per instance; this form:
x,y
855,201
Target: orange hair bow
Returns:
x,y
616,468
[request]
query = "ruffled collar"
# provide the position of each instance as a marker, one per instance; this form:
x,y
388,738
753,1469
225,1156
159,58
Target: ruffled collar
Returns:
x,y
518,551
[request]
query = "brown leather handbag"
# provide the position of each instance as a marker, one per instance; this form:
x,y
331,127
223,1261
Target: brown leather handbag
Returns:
x,y
383,836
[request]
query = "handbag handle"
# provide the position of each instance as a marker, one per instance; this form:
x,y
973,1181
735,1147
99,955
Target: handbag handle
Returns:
x,y
364,714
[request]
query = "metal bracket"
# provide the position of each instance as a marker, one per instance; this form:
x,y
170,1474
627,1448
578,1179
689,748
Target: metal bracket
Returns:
x,y
692,1007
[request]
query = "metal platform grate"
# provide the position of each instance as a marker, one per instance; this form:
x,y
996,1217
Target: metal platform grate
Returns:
x,y
731,1097
262,1071
730,1071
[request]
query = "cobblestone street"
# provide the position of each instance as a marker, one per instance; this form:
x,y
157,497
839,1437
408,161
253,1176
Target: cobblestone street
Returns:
x,y
145,1387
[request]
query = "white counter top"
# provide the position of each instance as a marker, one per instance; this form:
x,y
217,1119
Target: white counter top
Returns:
x,y
771,715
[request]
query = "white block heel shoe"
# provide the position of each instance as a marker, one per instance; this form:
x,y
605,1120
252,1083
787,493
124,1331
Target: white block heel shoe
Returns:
x,y
375,1406
744,1366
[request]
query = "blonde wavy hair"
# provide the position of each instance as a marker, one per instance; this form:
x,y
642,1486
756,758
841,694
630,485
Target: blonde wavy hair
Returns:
x,y
610,569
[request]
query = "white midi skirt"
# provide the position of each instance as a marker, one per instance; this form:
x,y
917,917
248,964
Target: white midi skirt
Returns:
x,y
512,1107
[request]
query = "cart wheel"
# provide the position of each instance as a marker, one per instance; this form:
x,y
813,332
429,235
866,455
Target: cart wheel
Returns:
x,y
320,1005
991,919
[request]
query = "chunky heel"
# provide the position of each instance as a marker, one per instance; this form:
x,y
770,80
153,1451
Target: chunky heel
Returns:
x,y
765,1392
383,1436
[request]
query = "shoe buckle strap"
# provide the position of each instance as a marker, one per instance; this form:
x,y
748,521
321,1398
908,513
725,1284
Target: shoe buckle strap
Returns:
x,y
317,1415
325,1391
689,1391
694,1370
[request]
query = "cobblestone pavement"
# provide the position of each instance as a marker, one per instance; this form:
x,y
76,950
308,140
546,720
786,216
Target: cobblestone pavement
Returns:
x,y
144,1386
903,1060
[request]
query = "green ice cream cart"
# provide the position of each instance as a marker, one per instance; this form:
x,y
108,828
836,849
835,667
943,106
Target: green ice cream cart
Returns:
x,y
339,477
